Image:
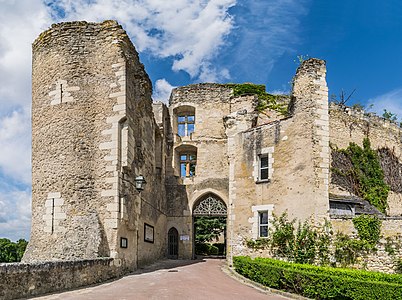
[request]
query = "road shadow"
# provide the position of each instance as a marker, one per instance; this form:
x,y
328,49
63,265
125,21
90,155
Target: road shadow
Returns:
x,y
166,264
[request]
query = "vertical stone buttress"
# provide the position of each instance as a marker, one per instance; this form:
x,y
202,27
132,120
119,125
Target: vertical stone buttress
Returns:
x,y
80,138
310,106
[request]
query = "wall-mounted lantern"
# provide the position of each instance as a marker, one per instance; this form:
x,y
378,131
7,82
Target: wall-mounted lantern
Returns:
x,y
140,183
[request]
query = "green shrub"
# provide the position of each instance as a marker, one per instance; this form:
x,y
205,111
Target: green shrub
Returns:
x,y
213,250
12,251
221,247
201,248
320,282
206,249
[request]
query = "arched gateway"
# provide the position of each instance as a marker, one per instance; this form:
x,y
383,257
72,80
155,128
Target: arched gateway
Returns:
x,y
209,223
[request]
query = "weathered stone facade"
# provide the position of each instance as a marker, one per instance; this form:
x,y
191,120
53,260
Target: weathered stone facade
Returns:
x,y
93,131
95,128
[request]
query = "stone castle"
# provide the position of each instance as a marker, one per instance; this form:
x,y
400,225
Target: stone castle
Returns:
x,y
96,133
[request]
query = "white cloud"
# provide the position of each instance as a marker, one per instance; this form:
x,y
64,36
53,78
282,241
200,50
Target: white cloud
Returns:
x,y
15,146
15,213
162,91
189,31
20,22
391,101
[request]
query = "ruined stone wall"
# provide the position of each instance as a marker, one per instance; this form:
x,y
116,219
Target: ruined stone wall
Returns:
x,y
93,131
381,260
298,152
349,125
21,280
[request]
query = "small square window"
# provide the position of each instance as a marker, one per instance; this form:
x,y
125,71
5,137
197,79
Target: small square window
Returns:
x,y
263,224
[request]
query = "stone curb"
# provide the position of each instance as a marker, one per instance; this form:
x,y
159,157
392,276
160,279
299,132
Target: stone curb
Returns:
x,y
262,288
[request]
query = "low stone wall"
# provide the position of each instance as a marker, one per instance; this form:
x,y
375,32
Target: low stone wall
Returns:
x,y
20,280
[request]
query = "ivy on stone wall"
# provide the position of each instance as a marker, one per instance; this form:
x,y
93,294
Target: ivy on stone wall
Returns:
x,y
368,229
265,100
392,168
319,245
359,171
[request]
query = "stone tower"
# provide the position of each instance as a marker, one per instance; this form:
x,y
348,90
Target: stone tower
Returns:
x,y
91,107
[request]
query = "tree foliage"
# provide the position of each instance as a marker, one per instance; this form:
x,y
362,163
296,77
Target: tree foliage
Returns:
x,y
208,229
10,251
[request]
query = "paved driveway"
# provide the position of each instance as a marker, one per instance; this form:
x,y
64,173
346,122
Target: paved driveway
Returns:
x,y
172,279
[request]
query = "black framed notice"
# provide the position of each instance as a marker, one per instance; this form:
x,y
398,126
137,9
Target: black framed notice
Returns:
x,y
148,233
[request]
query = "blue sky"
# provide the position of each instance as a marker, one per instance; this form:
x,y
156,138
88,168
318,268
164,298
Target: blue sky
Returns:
x,y
186,41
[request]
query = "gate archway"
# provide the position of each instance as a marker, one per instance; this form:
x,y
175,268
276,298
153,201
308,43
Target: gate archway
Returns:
x,y
211,206
209,225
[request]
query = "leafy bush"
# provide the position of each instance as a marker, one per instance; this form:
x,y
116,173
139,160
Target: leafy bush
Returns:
x,y
221,248
347,250
206,249
320,282
10,251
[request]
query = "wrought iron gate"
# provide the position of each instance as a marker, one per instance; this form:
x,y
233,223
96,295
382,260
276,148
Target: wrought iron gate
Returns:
x,y
173,243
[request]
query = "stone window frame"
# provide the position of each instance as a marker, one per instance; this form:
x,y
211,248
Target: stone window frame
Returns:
x,y
255,219
264,152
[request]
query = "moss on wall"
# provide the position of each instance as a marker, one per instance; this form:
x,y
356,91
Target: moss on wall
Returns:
x,y
265,100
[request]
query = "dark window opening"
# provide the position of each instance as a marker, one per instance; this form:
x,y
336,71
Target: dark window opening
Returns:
x,y
263,224
263,170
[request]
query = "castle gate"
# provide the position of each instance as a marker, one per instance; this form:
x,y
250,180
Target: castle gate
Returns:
x,y
209,225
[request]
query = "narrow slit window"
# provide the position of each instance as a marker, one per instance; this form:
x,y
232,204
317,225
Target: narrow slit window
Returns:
x,y
264,167
263,224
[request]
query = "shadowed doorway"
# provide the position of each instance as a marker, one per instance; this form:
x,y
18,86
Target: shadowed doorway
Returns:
x,y
173,243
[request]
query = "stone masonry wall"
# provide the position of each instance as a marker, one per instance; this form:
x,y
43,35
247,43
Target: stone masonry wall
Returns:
x,y
20,280
76,60
93,132
211,103
298,155
348,125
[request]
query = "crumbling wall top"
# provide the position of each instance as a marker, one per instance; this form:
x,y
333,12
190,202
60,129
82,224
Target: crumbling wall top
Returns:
x,y
65,28
361,115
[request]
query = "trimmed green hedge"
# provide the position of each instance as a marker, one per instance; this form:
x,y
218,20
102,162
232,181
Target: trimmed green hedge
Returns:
x,y
320,282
